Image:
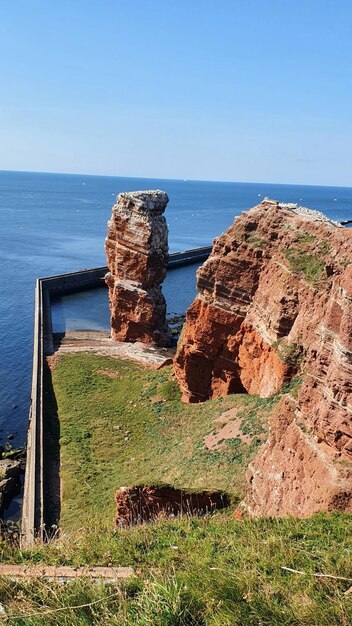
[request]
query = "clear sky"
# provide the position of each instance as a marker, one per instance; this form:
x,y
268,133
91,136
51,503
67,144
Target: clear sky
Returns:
x,y
241,90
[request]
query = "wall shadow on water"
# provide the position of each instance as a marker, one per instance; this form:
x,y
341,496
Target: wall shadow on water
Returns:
x,y
51,443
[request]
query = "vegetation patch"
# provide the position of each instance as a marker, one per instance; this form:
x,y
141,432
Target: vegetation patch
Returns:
x,y
310,265
132,429
211,571
290,353
306,238
307,256
255,241
292,387
217,570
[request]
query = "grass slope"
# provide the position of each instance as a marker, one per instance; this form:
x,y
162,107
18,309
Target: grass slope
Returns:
x,y
213,571
307,256
122,424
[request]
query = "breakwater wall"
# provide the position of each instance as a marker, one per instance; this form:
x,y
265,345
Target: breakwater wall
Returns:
x,y
62,284
32,506
35,513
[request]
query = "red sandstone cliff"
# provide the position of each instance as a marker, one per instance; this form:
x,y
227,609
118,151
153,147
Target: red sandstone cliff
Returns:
x,y
137,256
275,299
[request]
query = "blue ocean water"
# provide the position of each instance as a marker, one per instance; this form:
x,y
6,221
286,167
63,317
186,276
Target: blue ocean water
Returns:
x,y
53,223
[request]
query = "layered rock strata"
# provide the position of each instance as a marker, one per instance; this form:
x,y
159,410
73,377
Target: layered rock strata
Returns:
x,y
137,256
275,300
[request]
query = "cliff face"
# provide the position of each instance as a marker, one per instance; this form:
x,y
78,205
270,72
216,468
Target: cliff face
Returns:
x,y
137,256
275,300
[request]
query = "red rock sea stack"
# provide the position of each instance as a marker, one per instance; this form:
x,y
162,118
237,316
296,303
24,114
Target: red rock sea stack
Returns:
x,y
137,256
275,300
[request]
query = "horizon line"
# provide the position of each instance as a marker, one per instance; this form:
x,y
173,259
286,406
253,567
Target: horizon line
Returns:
x,y
194,180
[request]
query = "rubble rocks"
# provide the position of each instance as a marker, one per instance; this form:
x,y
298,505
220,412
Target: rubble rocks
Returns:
x,y
9,481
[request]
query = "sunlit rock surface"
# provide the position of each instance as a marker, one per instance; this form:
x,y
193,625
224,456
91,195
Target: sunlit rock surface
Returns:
x,y
137,256
274,303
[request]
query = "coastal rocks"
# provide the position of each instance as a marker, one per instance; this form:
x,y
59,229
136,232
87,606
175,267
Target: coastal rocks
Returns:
x,y
143,503
275,301
137,256
10,484
9,469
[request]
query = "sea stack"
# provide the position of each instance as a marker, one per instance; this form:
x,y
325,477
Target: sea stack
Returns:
x,y
137,256
274,306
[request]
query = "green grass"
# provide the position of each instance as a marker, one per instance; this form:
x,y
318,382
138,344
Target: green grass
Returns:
x,y
122,424
306,257
132,429
213,571
255,241
291,354
308,264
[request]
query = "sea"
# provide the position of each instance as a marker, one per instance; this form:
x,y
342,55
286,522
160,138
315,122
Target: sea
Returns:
x,y
56,223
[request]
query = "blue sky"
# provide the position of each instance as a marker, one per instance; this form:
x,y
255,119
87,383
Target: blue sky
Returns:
x,y
250,90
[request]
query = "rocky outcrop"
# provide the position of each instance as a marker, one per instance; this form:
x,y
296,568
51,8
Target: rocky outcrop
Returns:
x,y
144,503
137,256
10,484
275,300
